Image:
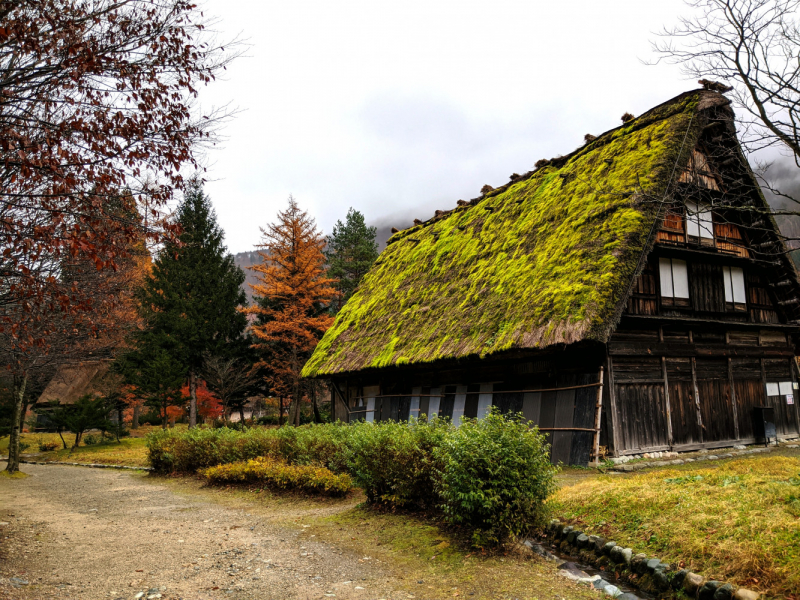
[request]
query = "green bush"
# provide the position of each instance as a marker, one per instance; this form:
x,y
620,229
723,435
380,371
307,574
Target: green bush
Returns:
x,y
48,446
91,439
491,476
277,474
394,462
495,477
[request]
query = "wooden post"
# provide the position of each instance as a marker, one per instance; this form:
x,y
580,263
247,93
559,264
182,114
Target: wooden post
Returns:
x,y
697,400
612,405
733,399
597,418
666,401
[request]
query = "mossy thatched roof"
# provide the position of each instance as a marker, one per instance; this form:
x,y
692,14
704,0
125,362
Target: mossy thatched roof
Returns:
x,y
544,260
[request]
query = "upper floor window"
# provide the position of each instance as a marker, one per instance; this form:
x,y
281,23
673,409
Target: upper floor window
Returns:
x,y
674,278
734,288
699,222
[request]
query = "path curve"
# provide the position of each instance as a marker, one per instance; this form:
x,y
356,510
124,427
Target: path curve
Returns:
x,y
89,534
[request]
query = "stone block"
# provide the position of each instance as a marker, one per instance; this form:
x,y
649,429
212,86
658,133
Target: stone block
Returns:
x,y
745,594
660,579
565,531
607,547
639,564
572,536
691,583
653,564
707,590
627,554
724,592
582,541
612,590
616,555
677,579
599,543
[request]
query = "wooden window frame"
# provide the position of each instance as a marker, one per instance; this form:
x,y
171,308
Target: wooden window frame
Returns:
x,y
673,301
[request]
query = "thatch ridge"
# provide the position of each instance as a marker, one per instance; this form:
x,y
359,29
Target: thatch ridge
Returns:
x,y
544,260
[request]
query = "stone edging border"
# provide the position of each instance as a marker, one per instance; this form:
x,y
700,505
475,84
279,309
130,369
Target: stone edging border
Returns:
x,y
90,465
626,468
648,574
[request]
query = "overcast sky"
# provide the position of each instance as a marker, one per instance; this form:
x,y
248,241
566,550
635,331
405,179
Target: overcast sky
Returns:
x,y
400,108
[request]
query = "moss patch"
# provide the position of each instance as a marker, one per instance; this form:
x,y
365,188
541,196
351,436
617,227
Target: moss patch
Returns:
x,y
18,475
545,260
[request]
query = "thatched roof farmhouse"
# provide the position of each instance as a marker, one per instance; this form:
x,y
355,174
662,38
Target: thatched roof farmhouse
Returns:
x,y
647,252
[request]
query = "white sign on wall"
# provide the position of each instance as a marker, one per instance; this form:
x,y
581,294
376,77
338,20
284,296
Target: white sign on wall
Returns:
x,y
789,398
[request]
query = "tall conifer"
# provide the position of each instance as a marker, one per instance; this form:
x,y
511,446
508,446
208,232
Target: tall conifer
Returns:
x,y
292,296
350,252
191,301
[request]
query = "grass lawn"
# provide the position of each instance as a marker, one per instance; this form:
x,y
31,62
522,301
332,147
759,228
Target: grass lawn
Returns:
x,y
131,451
429,558
735,520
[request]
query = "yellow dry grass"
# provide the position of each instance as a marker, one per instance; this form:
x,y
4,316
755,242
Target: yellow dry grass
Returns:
x,y
736,520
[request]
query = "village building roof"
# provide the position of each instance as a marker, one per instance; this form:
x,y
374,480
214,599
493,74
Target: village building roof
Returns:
x,y
544,260
73,381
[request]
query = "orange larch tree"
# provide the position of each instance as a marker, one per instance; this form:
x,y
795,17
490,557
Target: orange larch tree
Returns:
x,y
292,296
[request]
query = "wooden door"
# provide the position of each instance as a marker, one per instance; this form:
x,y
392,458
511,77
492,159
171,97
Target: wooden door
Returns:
x,y
683,408
716,400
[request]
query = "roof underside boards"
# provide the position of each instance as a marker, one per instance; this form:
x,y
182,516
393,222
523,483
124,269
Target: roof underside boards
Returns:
x,y
543,261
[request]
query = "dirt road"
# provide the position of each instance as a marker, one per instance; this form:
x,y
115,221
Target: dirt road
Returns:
x,y
89,534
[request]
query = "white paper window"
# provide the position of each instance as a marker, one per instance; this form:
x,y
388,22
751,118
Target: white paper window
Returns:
x,y
699,222
370,392
433,403
674,278
734,284
772,389
458,404
785,387
485,400
413,409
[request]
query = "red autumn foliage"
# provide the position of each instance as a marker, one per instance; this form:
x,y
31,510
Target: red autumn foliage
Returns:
x,y
208,405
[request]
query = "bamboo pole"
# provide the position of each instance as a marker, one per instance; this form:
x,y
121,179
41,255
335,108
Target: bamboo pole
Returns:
x,y
597,419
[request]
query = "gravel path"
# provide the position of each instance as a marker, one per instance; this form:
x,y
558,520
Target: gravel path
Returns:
x,y
89,534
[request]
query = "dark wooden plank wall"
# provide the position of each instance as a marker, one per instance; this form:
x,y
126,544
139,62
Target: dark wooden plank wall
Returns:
x,y
709,399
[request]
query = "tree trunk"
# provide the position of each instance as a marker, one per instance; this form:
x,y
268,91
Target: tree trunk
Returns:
x,y
63,441
241,413
16,425
315,406
136,410
296,415
192,399
280,411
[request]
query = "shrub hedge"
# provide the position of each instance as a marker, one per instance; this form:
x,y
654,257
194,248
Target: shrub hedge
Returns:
x,y
492,475
277,474
495,477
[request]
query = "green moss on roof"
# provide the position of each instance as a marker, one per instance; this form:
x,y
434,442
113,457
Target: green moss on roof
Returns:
x,y
545,260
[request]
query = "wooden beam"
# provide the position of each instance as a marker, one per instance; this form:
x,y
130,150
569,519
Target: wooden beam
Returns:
x,y
684,350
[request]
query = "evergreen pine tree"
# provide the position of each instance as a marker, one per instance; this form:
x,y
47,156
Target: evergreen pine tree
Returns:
x,y
351,249
191,301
